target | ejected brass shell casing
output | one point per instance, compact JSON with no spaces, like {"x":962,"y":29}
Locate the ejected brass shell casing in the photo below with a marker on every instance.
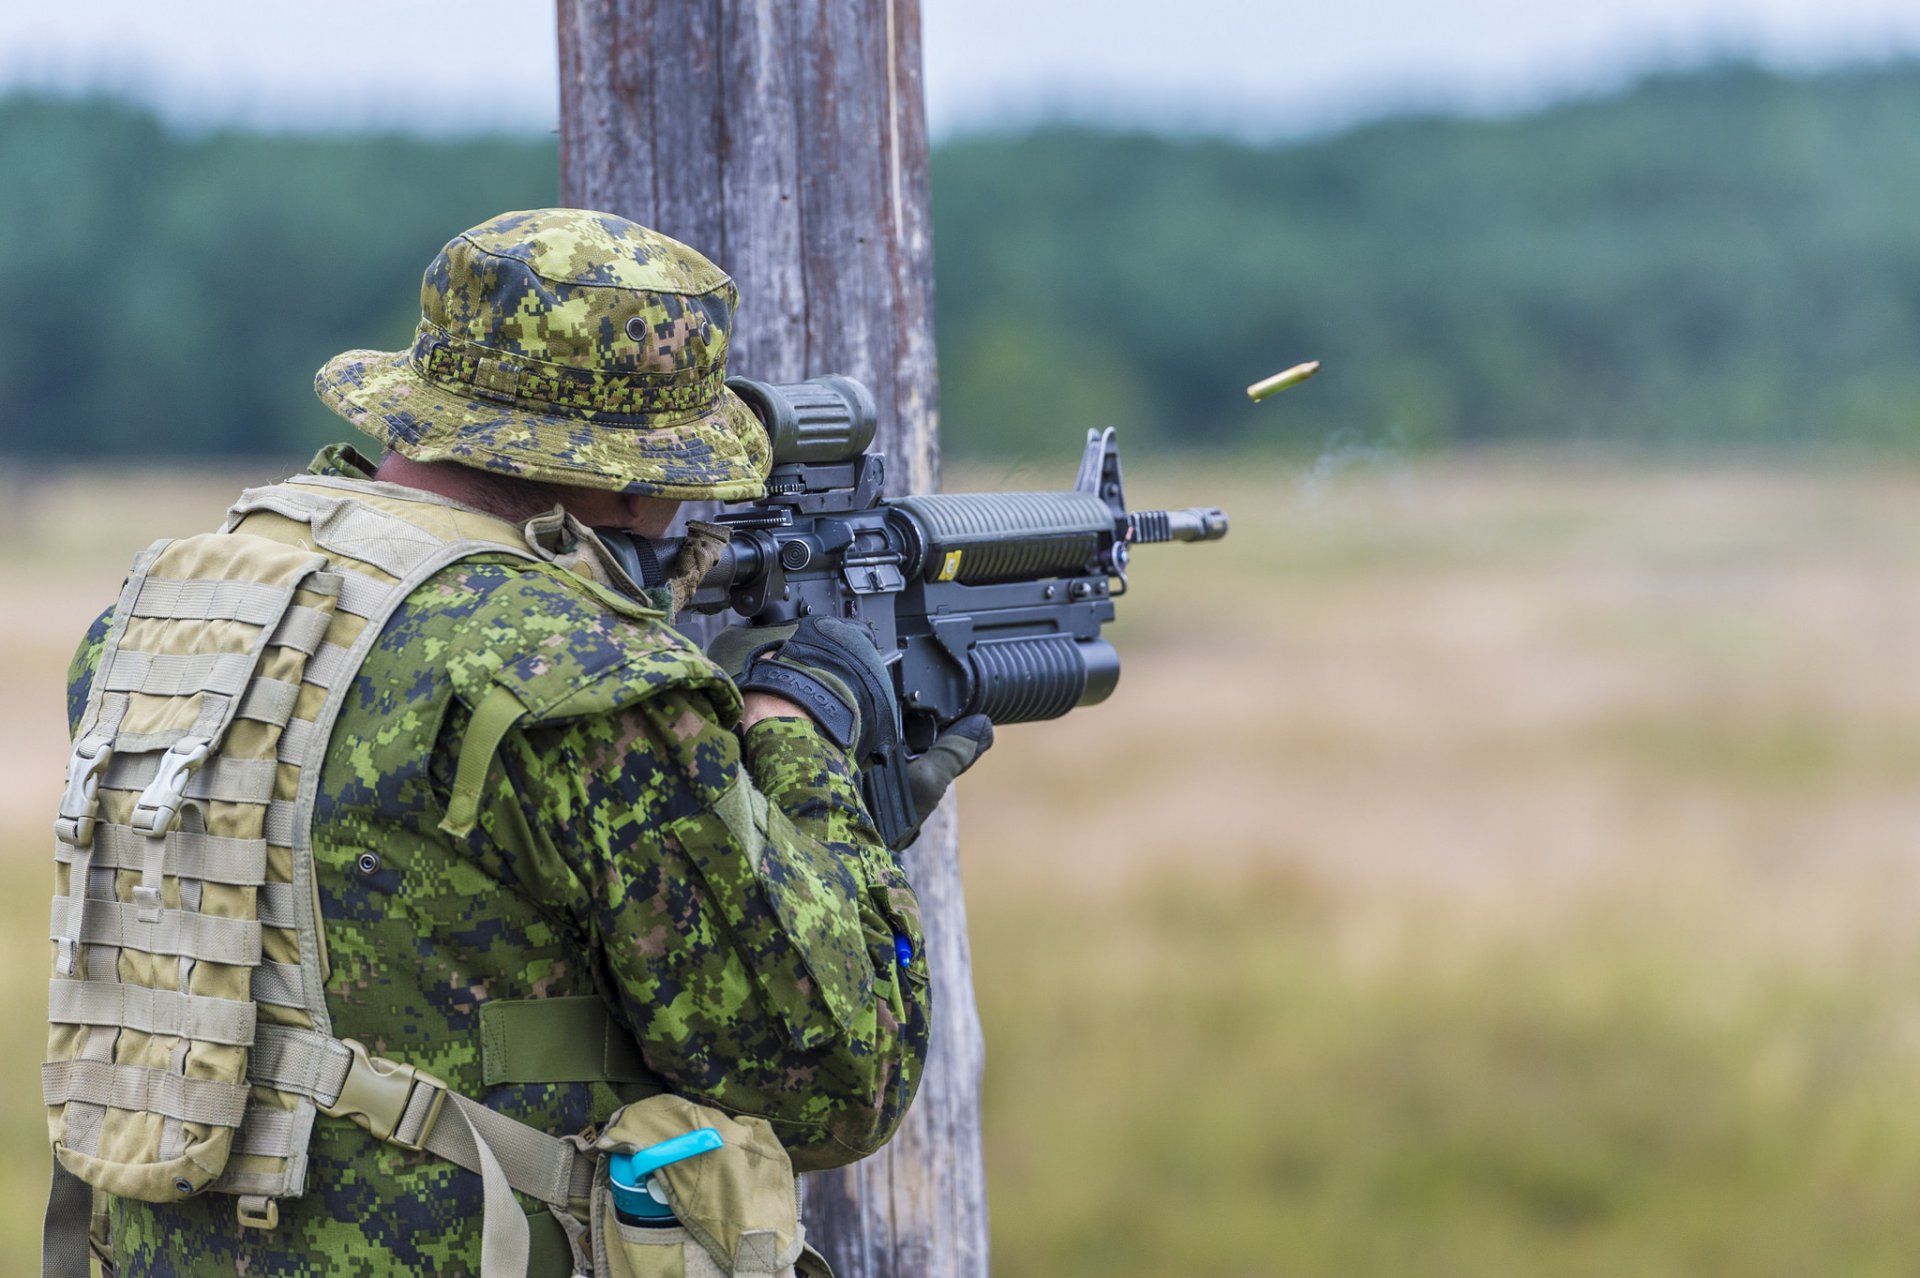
{"x":1281,"y":381}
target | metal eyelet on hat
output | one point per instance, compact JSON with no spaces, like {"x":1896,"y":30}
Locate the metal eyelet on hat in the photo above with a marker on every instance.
{"x":368,"y":863}
{"x":637,"y":328}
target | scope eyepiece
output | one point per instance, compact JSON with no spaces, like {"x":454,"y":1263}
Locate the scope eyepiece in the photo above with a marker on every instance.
{"x":823,"y":419}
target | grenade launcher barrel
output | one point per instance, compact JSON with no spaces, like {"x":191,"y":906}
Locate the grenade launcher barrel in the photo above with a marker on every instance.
{"x":982,"y":603}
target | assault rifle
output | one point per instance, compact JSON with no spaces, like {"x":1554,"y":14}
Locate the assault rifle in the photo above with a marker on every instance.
{"x":982,"y":603}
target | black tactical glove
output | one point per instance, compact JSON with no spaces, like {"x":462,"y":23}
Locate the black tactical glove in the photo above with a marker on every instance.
{"x":828,"y":667}
{"x":953,"y":752}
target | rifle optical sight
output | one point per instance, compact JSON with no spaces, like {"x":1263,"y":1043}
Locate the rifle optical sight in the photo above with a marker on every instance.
{"x":823,"y":419}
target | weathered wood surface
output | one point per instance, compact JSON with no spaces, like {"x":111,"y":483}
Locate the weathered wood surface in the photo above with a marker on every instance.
{"x":786,"y":139}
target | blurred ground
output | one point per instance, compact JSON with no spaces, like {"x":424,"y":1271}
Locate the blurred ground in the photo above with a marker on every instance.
{"x":1494,"y":867}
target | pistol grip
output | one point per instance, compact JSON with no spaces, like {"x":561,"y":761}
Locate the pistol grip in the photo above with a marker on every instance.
{"x":890,"y":800}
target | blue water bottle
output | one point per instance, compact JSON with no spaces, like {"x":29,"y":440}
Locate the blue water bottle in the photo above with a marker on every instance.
{"x":638,"y":1197}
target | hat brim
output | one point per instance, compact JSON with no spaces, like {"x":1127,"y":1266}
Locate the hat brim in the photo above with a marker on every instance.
{"x":720,"y":453}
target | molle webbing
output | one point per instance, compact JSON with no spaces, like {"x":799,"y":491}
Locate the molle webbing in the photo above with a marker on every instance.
{"x":185,"y":1055}
{"x":189,"y":855}
{"x":224,"y":667}
{"x":162,"y":860}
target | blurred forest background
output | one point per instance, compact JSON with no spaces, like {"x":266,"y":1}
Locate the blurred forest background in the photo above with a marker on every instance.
{"x":1727,"y":257}
{"x":1497,"y":859}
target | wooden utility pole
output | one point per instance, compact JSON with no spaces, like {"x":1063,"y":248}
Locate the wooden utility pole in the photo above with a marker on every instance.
{"x":787,"y":140}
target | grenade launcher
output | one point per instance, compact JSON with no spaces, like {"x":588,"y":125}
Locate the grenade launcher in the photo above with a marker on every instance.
{"x":981,"y":603}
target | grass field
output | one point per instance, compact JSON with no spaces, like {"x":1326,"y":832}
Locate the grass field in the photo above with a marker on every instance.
{"x":1494,"y":867}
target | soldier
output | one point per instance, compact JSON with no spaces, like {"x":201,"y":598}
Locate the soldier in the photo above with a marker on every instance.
{"x":405,"y":839}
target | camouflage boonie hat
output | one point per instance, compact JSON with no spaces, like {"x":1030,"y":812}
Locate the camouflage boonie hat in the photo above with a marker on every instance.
{"x":566,"y":347}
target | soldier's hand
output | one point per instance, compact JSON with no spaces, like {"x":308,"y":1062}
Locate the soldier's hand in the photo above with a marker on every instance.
{"x":953,"y":752}
{"x":827,"y":667}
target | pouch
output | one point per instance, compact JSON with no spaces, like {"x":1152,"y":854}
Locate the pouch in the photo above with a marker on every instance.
{"x":738,"y":1206}
{"x":171,"y":846}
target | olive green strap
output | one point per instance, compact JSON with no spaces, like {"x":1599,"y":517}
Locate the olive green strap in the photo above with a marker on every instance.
{"x":556,"y":1040}
{"x":497,"y":712}
{"x":504,"y":1238}
{"x":63,"y":1242}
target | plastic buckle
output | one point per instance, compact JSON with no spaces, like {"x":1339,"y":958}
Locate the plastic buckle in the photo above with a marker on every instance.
{"x":160,"y":802}
{"x":81,"y":800}
{"x":376,"y":1093}
{"x":257,"y":1212}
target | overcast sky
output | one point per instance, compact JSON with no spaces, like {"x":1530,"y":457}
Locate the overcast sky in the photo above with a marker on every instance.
{"x":1257,"y":66}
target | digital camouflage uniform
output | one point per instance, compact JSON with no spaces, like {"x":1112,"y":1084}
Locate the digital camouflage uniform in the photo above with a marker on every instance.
{"x":724,"y":896}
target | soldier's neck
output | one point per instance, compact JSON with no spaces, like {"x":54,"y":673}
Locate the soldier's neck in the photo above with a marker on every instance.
{"x":515,"y":502}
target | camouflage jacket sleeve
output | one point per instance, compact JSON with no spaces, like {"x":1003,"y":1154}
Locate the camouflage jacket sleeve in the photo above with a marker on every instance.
{"x":86,"y":660}
{"x":765,"y":945}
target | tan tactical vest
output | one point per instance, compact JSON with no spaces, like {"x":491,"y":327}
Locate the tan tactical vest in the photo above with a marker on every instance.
{"x":190,"y":1048}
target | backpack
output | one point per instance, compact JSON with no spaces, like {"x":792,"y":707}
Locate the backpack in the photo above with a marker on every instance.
{"x":190,"y":1050}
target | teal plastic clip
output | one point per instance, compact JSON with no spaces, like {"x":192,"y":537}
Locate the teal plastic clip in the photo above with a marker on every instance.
{"x":636,"y":1197}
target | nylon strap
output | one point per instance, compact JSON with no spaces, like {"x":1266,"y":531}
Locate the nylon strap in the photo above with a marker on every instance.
{"x":280,"y":985}
{"x":210,"y":599}
{"x":295,"y":737}
{"x":64,"y":1252}
{"x":361,"y":595}
{"x":177,"y":674}
{"x":188,"y":934}
{"x":538,"y":1165}
{"x":556,"y":1040}
{"x":326,"y":666}
{"x":268,"y":1131}
{"x":77,"y":827}
{"x":301,"y":1061}
{"x":277,"y":906}
{"x":66,"y":960}
{"x":504,"y":1239}
{"x":101,"y":702}
{"x":190,"y":855}
{"x":85,"y":1123}
{"x":302,"y":629}
{"x":151,"y":1011}
{"x":285,"y":1183}
{"x":279,"y":825}
{"x":223,"y":777}
{"x":192,"y":1100}
{"x":497,"y":712}
{"x":174,"y":771}
{"x":312,"y":1064}
{"x":268,"y":701}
